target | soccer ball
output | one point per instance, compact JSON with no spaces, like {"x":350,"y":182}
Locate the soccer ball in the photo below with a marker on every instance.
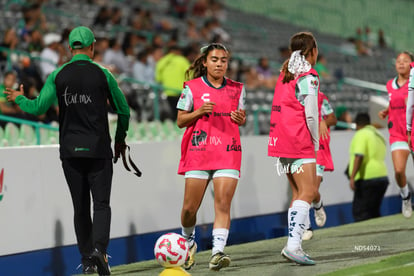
{"x":171,"y":250}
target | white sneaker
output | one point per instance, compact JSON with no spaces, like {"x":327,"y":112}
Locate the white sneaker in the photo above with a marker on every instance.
{"x":298,"y":256}
{"x":308,"y":234}
{"x":320,"y":216}
{"x":407,"y":208}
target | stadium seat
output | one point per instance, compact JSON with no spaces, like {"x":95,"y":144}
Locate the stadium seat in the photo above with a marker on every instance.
{"x":11,"y":134}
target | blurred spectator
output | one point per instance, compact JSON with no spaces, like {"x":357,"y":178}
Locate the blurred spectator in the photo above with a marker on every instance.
{"x":114,"y":56}
{"x":157,"y":41}
{"x":209,"y":9}
{"x":368,"y":176}
{"x":322,"y":69}
{"x":65,"y":44}
{"x":342,"y":114}
{"x":141,"y":70}
{"x":284,"y":53}
{"x":115,"y":16}
{"x":361,"y":43}
{"x":102,"y":17}
{"x":11,"y":109}
{"x":265,"y":75}
{"x":7,"y":108}
{"x":349,"y":47}
{"x":206,"y":31}
{"x":191,"y":51}
{"x":51,"y":54}
{"x":192,"y":33}
{"x":101,"y":44}
{"x":382,"y":43}
{"x":10,"y":41}
{"x":154,"y":55}
{"x":130,"y":46}
{"x":217,"y":11}
{"x":170,"y":73}
{"x":217,"y":30}
{"x":200,"y":8}
{"x":178,"y":8}
{"x":98,"y":58}
{"x":34,"y":19}
{"x":35,"y":42}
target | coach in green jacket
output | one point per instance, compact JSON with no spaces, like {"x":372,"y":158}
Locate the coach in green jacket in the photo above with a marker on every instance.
{"x":83,"y":89}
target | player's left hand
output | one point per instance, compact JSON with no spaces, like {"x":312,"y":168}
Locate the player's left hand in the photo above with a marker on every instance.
{"x":119,"y":149}
{"x":323,"y":130}
{"x":238,"y":116}
{"x":12,"y":94}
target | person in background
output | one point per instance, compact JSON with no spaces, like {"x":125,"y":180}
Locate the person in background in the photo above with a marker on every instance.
{"x":368,"y":176}
{"x":294,"y":136}
{"x":400,"y":151}
{"x":343,"y":116}
{"x":83,"y":90}
{"x":324,"y":160}
{"x":170,"y":73}
{"x":322,"y":69}
{"x":210,"y":106}
{"x":6,"y":108}
{"x":265,"y":75}
{"x":50,"y":57}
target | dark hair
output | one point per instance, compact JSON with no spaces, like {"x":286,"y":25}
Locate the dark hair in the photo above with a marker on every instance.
{"x":303,"y":41}
{"x":362,"y":119}
{"x":12,"y":72}
{"x":408,"y":53}
{"x":197,"y":68}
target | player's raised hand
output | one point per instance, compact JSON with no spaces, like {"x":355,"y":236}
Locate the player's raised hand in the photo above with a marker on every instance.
{"x":12,"y":94}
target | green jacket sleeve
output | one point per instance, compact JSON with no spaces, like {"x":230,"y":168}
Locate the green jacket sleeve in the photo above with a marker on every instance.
{"x":41,"y":104}
{"x":120,"y":106}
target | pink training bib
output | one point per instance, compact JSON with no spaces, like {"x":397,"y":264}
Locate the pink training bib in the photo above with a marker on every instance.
{"x":213,"y":141}
{"x":324,"y":156}
{"x":289,"y":135}
{"x":397,"y":125}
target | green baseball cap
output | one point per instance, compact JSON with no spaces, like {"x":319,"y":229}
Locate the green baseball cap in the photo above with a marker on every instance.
{"x":81,"y":37}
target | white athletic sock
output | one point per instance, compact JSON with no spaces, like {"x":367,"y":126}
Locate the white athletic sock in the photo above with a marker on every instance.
{"x":318,"y":205}
{"x":404,"y":191}
{"x":220,"y":236}
{"x":296,"y":223}
{"x":307,"y":223}
{"x":189,"y":234}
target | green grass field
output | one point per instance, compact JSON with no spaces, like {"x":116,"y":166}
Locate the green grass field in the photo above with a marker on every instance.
{"x":383,"y":246}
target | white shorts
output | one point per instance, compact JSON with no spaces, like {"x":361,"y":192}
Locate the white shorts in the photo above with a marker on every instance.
{"x":213,"y":174}
{"x":292,"y":165}
{"x":400,"y":145}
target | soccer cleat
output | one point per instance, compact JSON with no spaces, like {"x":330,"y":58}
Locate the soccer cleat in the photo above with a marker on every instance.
{"x":308,"y":234}
{"x":218,"y":261}
{"x":190,"y":262}
{"x":101,"y":261}
{"x":298,"y":256}
{"x":88,"y":266}
{"x":89,"y":269}
{"x":407,"y":208}
{"x":320,"y":216}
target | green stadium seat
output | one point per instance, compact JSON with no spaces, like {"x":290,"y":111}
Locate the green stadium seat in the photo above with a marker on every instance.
{"x":11,"y":134}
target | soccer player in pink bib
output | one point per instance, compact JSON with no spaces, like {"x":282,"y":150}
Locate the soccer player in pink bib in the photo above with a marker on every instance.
{"x":324,"y":160}
{"x":211,"y":107}
{"x":397,"y":126}
{"x":294,"y":137}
